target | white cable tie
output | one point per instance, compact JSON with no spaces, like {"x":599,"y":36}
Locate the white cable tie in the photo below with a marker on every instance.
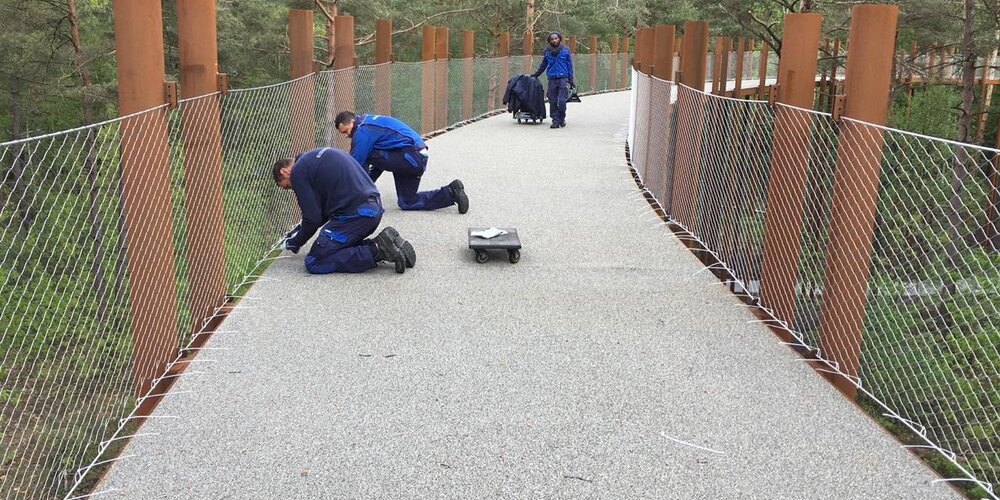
{"x":918,"y":428}
{"x":102,"y":462}
{"x":94,"y":494}
{"x":691,"y":444}
{"x":130,"y":436}
{"x":947,"y":453}
{"x":189,"y":349}
{"x":163,"y":395}
{"x":121,"y":422}
{"x":983,"y":484}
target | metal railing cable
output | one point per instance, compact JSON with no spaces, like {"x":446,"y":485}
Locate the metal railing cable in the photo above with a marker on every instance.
{"x":926,"y":354}
{"x":73,"y":369}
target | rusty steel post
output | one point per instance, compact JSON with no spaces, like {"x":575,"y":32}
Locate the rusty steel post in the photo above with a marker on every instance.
{"x":663,"y":51}
{"x":528,"y":47}
{"x":572,"y":45}
{"x":443,"y":54}
{"x":690,"y":123}
{"x":593,"y":64}
{"x":199,"y":71}
{"x":468,"y":47}
{"x":383,"y":66}
{"x":625,"y":74}
{"x":613,"y":77}
{"x":647,"y":49}
{"x":428,"y":79}
{"x":740,"y":52}
{"x":344,"y":69}
{"x":832,"y":92}
{"x":504,"y":53}
{"x":852,"y":218}
{"x":300,"y":39}
{"x":727,"y":46}
{"x":762,"y":68}
{"x":716,"y":59}
{"x":789,"y":165}
{"x":145,"y":161}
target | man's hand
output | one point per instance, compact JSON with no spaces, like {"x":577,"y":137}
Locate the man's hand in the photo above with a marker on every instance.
{"x":572,"y":84}
{"x":291,"y":235}
{"x":535,"y":75}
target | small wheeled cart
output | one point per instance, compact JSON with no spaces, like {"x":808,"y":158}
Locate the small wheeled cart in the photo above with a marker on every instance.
{"x":525,"y":117}
{"x":509,"y":242}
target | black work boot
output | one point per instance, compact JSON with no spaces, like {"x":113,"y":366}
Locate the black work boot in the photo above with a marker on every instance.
{"x":408,"y":252}
{"x":387,"y":251}
{"x":458,"y":191}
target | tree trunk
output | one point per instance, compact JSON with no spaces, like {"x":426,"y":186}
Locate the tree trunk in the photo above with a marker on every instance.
{"x":960,"y":167}
{"x":16,"y":177}
{"x":90,"y":162}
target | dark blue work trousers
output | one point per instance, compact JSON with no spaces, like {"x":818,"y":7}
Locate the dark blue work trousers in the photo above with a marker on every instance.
{"x":558,"y":94}
{"x":341,"y":246}
{"x":407,"y":166}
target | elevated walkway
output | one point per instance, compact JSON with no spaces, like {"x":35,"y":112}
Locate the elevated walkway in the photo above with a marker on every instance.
{"x":603,"y":365}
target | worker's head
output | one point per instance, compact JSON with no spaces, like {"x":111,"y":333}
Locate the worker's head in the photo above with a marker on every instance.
{"x":555,"y":38}
{"x":282,"y":172}
{"x":345,"y":122}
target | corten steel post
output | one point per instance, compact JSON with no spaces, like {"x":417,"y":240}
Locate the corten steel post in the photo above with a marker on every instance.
{"x":468,"y":46}
{"x":593,"y":64}
{"x":300,"y":39}
{"x":663,"y":68}
{"x":572,"y":45}
{"x":343,"y":66}
{"x":832,"y":91}
{"x":738,"y":88}
{"x":855,"y":187}
{"x":528,"y":46}
{"x":717,"y":64}
{"x":504,"y":53}
{"x":690,"y":123}
{"x":613,"y":77}
{"x":789,"y":164}
{"x":625,"y":74}
{"x":428,"y":78}
{"x":146,"y":178}
{"x":383,"y":66}
{"x":727,"y":46}
{"x":441,"y":97}
{"x":640,"y":35}
{"x":762,"y":68}
{"x":647,"y":49}
{"x":199,"y":64}
{"x":663,"y":51}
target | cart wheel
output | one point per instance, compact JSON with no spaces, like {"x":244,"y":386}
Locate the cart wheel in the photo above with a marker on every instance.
{"x":482,"y":256}
{"x":514,"y":256}
{"x":518,"y":120}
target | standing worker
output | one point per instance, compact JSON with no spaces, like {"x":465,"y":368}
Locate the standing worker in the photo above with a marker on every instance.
{"x":335,"y":194}
{"x":387,"y":144}
{"x":557,"y":63}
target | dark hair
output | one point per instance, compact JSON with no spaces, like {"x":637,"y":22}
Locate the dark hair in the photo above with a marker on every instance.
{"x":343,"y":117}
{"x":278,"y":165}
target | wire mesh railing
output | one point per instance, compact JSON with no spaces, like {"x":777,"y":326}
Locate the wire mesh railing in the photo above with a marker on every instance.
{"x":74,"y":259}
{"x":926,"y":354}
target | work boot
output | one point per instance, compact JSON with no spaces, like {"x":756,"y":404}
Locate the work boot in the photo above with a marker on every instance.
{"x":408,"y":253}
{"x":554,"y":125}
{"x":458,"y":191}
{"x":387,"y":251}
{"x":562,"y":124}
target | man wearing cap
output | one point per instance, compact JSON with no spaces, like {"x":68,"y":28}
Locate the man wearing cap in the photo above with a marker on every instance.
{"x":557,"y":63}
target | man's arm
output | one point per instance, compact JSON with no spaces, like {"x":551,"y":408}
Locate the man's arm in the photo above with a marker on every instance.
{"x":541,"y":67}
{"x":312,"y":217}
{"x":362,"y":145}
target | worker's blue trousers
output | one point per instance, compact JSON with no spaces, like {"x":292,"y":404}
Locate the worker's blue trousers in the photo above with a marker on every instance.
{"x":341,"y":246}
{"x":407,"y":166}
{"x":558,"y":94}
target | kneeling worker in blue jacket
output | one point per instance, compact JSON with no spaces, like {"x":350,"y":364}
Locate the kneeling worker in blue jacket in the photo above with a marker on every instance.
{"x":557,"y":63}
{"x":382,"y":143}
{"x":336,"y":195}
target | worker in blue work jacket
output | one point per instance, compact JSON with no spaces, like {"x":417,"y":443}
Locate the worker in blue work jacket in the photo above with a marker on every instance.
{"x":337,"y":197}
{"x":382,"y":143}
{"x":557,"y":63}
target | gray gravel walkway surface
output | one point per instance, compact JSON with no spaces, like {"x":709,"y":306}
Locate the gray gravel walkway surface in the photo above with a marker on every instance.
{"x":576,"y":373}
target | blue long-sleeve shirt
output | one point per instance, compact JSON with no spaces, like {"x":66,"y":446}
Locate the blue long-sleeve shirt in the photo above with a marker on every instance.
{"x":327,"y":182}
{"x":556,"y":64}
{"x":381,"y":133}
